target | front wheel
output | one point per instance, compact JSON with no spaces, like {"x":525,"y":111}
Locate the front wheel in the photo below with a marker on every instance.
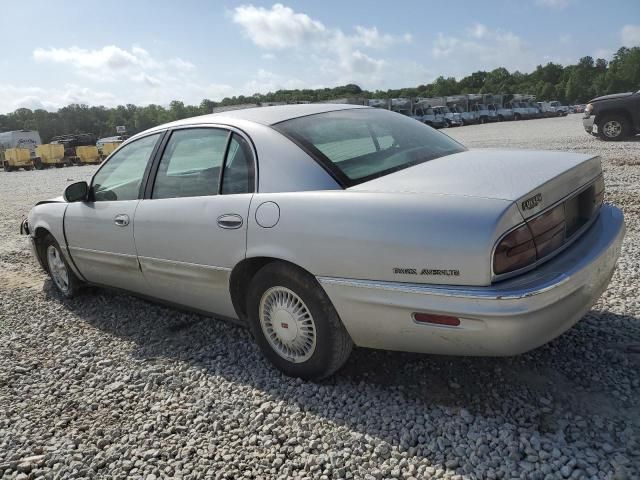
{"x":63,"y":278}
{"x":613,"y":127}
{"x":294,"y":323}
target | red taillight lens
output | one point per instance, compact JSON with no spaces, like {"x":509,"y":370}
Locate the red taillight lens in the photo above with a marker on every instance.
{"x":516,"y":250}
{"x":548,"y":230}
{"x":436,"y":319}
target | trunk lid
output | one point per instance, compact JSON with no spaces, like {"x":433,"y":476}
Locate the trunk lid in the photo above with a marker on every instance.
{"x":534,"y":180}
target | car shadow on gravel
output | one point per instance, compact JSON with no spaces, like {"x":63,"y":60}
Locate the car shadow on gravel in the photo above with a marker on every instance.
{"x":584,"y":373}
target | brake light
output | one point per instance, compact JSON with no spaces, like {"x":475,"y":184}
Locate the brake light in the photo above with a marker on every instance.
{"x":545,"y":233}
{"x":516,"y":250}
{"x":598,"y":197}
{"x":548,"y":230}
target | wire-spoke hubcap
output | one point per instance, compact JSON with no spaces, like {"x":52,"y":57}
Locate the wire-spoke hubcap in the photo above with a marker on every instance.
{"x":57,"y":268}
{"x":287,"y":324}
{"x":612,"y":128}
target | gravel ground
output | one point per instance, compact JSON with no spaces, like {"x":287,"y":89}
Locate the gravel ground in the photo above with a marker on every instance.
{"x":109,"y":386}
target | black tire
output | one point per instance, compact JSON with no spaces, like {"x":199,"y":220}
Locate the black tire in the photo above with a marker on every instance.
{"x":332,"y":342}
{"x":37,"y":163}
{"x":517,"y":116}
{"x":73,"y":284}
{"x":613,"y":128}
{"x":28,"y":168}
{"x":500,"y":118}
{"x":6,"y":166}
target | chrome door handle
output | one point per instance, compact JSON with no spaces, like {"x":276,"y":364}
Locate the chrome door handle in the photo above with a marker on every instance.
{"x":230,"y":221}
{"x":121,"y":220}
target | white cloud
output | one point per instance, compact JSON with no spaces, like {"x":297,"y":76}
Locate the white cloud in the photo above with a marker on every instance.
{"x":110,"y":63}
{"x":342,"y":57}
{"x":181,"y":65}
{"x":278,"y":27}
{"x":372,"y":38}
{"x":265,"y":81}
{"x":605,"y":53}
{"x":630,"y":35}
{"x":482,"y":48}
{"x":558,"y":4}
{"x":108,"y":58}
{"x":13,"y":97}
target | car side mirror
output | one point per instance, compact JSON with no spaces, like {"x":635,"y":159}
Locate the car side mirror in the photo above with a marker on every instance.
{"x":76,"y":192}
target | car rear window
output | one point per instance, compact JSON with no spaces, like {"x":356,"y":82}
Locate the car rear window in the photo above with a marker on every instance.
{"x":357,"y":145}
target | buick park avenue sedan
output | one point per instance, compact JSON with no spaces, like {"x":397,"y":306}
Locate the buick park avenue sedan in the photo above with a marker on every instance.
{"x":322,"y":227}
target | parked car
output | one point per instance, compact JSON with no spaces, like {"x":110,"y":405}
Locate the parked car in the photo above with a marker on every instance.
{"x":613,"y":117}
{"x":560,"y":110}
{"x":326,"y":226}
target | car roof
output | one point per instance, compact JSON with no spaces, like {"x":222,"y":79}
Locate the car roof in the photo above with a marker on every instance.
{"x":263,"y":115}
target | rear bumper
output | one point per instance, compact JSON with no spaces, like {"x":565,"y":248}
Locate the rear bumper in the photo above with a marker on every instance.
{"x":507,"y":318}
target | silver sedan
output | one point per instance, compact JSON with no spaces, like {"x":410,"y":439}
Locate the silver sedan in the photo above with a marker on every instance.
{"x":321,"y":227}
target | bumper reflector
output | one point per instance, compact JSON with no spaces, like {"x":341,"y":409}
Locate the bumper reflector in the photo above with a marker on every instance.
{"x":436,"y":319}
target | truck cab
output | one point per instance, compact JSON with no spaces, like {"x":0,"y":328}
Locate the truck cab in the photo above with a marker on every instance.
{"x":501,"y":112}
{"x":452,"y":119}
{"x":428,"y":116}
{"x":484,"y":114}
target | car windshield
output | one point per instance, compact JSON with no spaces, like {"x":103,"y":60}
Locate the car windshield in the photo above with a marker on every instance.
{"x":357,"y":145}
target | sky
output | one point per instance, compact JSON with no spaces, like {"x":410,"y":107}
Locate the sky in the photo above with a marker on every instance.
{"x":117,"y":52}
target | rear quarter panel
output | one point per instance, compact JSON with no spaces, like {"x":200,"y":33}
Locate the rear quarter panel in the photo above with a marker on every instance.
{"x":384,"y":236}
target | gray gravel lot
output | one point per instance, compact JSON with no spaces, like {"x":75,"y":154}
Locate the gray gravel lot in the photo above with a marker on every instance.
{"x":109,"y":386}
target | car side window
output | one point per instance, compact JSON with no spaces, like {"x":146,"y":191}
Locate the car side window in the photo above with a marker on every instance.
{"x":120,"y":178}
{"x":238,"y":175}
{"x":191,"y":163}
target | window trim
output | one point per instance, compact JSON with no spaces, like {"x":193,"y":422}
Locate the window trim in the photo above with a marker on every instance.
{"x":153,"y":172}
{"x":147,"y":169}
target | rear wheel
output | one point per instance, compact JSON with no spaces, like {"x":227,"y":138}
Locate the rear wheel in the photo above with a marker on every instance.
{"x":517,"y":116}
{"x":294,"y":323}
{"x":6,"y":166}
{"x":61,"y":275}
{"x":37,"y":163}
{"x":613,"y":127}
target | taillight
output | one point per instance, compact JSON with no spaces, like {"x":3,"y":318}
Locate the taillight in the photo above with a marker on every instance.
{"x":548,"y":230}
{"x":598,"y":197}
{"x":516,"y":250}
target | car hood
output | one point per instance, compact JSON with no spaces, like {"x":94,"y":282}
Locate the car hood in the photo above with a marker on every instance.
{"x":610,"y":97}
{"x":512,"y":175}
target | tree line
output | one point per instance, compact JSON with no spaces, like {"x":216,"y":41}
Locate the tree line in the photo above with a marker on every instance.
{"x":570,"y":84}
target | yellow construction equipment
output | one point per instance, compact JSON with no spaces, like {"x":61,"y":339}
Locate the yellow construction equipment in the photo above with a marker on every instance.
{"x":108,"y":148}
{"x":50,"y":155}
{"x":88,"y":154}
{"x":15,"y":158}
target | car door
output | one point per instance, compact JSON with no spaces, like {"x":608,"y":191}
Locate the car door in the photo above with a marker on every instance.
{"x":190,"y":229}
{"x":99,"y":232}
